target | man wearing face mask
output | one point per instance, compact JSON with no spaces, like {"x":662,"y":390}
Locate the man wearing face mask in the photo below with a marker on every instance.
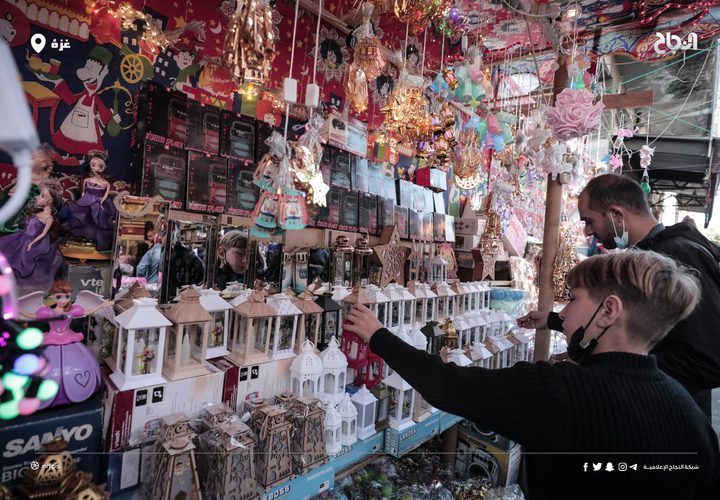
{"x":613,"y":406}
{"x":616,"y":211}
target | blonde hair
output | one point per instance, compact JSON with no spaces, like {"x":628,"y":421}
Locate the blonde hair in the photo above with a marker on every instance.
{"x":656,"y":291}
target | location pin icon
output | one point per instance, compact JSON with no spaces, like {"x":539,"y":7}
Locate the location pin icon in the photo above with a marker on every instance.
{"x":38,"y":42}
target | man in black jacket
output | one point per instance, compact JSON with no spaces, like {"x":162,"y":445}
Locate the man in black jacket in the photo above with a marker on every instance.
{"x":615,"y":210}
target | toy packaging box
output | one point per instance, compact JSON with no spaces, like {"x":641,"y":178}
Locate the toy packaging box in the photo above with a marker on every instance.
{"x":164,"y":172}
{"x":386,"y":213}
{"x":402,"y":221}
{"x":450,"y":228}
{"x":360,"y":179}
{"x":203,"y":127}
{"x":237,"y":136}
{"x":348,"y":210}
{"x":438,"y":227}
{"x":21,"y":439}
{"x":415,"y":226}
{"x":328,"y":217}
{"x":368,"y":211}
{"x":427,"y":226}
{"x":341,"y":170}
{"x":264,"y":130}
{"x":159,"y":113}
{"x":478,"y":459}
{"x":404,"y":193}
{"x":242,"y":193}
{"x":207,"y":183}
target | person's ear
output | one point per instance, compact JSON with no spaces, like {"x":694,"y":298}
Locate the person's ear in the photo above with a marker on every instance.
{"x":617,"y":212}
{"x":610,"y":312}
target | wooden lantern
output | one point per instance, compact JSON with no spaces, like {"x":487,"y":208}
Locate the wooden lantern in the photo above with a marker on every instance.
{"x":366,"y":405}
{"x":348,"y":426}
{"x":214,"y":415}
{"x":434,"y":335}
{"x":220,"y":310}
{"x":139,"y":349}
{"x":402,"y":402}
{"x":125,"y":301}
{"x":174,"y":467}
{"x":252,"y":407}
{"x":56,"y":465}
{"x":480,"y":355}
{"x":230,"y":461}
{"x":464,"y":327}
{"x":187,"y":339}
{"x":310,"y":320}
{"x":282,"y":340}
{"x":306,"y":371}
{"x":334,"y":371}
{"x":382,"y":416}
{"x":274,"y":462}
{"x":308,"y":441}
{"x":251,"y":333}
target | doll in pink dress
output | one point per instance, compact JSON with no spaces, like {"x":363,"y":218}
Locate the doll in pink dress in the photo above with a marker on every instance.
{"x":72,"y":365}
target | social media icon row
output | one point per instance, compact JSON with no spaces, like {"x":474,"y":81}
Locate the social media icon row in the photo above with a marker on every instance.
{"x":608,"y":466}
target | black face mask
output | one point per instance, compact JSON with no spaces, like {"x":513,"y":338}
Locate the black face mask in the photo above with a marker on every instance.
{"x":578,"y":349}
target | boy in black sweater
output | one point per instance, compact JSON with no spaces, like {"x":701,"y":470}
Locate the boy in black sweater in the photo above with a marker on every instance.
{"x":613,"y":407}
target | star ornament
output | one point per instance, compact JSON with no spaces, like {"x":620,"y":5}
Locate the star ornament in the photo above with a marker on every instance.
{"x":319,"y":189}
{"x":391,"y":255}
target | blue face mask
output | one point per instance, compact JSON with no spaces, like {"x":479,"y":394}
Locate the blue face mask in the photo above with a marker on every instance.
{"x":621,"y":242}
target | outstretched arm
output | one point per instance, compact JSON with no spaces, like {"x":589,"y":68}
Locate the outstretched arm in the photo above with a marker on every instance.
{"x":42,"y":234}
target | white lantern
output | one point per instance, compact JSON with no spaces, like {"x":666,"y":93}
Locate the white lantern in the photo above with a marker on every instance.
{"x":305,"y":371}
{"x":348,"y":427}
{"x":480,"y":356}
{"x":459,"y":299}
{"x":402,"y":402}
{"x":365,"y":403}
{"x":523,"y":350}
{"x":422,"y":408}
{"x":464,"y":327}
{"x":402,"y":306}
{"x":251,"y":332}
{"x":444,"y":303}
{"x":438,"y":269}
{"x":333,"y":421}
{"x":459,"y":357}
{"x":469,"y":300}
{"x":187,"y":339}
{"x":484,"y":296}
{"x":139,"y":349}
{"x":220,"y":311}
{"x":285,"y":326}
{"x":334,"y":371}
{"x":378,"y":303}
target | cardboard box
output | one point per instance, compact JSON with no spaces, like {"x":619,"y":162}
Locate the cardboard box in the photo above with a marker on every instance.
{"x":207,"y":183}
{"x":132,"y":417}
{"x":464,"y":259}
{"x":470,"y":226}
{"x":159,"y":114}
{"x":360,"y":179}
{"x":81,"y":425}
{"x":237,"y":136}
{"x":432,"y":178}
{"x":438,"y":227}
{"x":164,"y":172}
{"x":303,"y":486}
{"x":203,"y":127}
{"x":480,"y":460}
{"x":415,"y":225}
{"x":349,"y":205}
{"x":125,"y":468}
{"x":466,"y":242}
{"x":439,"y":203}
{"x":386,"y":213}
{"x":367,"y":212}
{"x":341,"y":169}
{"x":402,"y":221}
{"x":266,"y":380}
{"x":357,"y":137}
{"x":404,"y":193}
{"x":326,"y":163}
{"x":489,"y":437}
{"x":242,"y":193}
{"x":328,"y":217}
{"x":397,"y":443}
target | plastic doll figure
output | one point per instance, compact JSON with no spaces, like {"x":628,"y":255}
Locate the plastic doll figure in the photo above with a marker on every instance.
{"x":33,"y":252}
{"x":72,"y":365}
{"x":93,"y":214}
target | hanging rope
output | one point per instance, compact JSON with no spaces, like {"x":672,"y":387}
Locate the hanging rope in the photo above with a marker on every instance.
{"x":317,"y":40}
{"x":292,"y":61}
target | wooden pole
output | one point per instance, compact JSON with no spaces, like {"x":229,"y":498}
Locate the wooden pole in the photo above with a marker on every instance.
{"x":551,"y":237}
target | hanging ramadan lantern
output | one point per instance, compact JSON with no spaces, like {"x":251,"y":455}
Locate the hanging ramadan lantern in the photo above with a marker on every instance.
{"x":306,"y":164}
{"x":406,"y":110}
{"x":368,"y":51}
{"x":280,"y":204}
{"x":646,"y":154}
{"x":467,"y":160}
{"x":574,"y":114}
{"x":250,"y":43}
{"x":490,"y":243}
{"x":356,"y":87}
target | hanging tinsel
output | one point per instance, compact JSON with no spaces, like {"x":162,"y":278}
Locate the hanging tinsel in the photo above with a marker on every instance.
{"x":250,"y":43}
{"x":566,"y":259}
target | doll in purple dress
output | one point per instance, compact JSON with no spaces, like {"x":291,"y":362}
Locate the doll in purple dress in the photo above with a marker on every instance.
{"x":71,"y":364}
{"x":33,"y":252}
{"x":93,"y":214}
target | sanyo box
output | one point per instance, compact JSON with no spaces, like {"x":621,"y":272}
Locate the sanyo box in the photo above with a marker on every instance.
{"x":132,"y":417}
{"x":21,"y":439}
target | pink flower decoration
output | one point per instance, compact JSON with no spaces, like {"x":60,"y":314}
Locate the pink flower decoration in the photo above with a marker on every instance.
{"x":615,"y":162}
{"x":574,"y":114}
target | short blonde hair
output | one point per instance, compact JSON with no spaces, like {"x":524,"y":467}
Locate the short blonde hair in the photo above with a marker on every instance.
{"x":657,"y":291}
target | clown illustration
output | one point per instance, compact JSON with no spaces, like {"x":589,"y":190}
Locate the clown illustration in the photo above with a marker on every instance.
{"x":80,"y":132}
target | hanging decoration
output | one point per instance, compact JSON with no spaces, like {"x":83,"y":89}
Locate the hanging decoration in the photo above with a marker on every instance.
{"x":467,"y":160}
{"x":306,"y":163}
{"x":574,"y":114}
{"x":566,"y":259}
{"x":156,"y":39}
{"x":334,"y":55}
{"x":490,"y":242}
{"x":280,"y":206}
{"x":406,"y":112}
{"x":368,"y":63}
{"x":474,"y":79}
{"x":550,"y":159}
{"x":249,"y":47}
{"x":646,"y":154}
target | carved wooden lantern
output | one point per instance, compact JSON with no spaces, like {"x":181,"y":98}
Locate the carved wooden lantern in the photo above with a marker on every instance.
{"x":306,"y":372}
{"x":215,"y":415}
{"x":230,"y":462}
{"x":282,"y":341}
{"x":366,"y":405}
{"x":137,"y":358}
{"x":175,"y":470}
{"x":252,"y":407}
{"x":187,"y":338}
{"x":125,"y":301}
{"x":274,"y":462}
{"x":56,"y":465}
{"x":220,"y":310}
{"x":330,"y":324}
{"x":308,"y":442}
{"x":251,"y":334}
{"x":310,"y":320}
{"x":332,"y":422}
{"x":348,"y":427}
{"x":334,"y":372}
{"x":382,"y":417}
{"x":402,"y":402}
